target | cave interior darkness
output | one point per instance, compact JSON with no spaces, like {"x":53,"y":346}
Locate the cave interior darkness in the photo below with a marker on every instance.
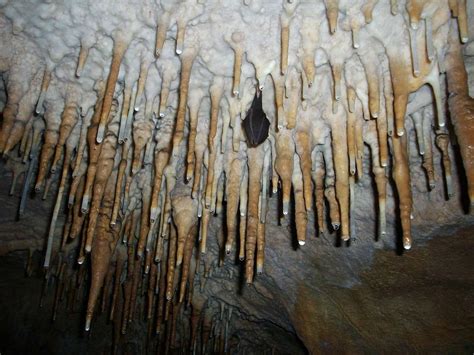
{"x":237,"y":176}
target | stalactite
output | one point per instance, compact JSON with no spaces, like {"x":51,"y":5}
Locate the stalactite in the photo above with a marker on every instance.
{"x":142,"y":77}
{"x":303,"y":148}
{"x":234,"y":178}
{"x":428,"y":150}
{"x":38,"y":129}
{"x":94,"y":150}
{"x":86,"y":121}
{"x":161,"y":159}
{"x":279,"y":86}
{"x":301,"y":218}
{"x":161,"y":30}
{"x":255,"y":165}
{"x":285,"y":149}
{"x":78,"y":217}
{"x":105,"y":165}
{"x":293,"y":92}
{"x":145,"y":184}
{"x":103,"y":245}
{"x":68,"y":121}
{"x":329,"y":189}
{"x":237,"y":39}
{"x":187,"y":255}
{"x":118,"y":186}
{"x":185,"y":219}
{"x":194,"y":105}
{"x":23,"y":116}
{"x":318,"y":180}
{"x":380,"y":179}
{"x":142,"y":132}
{"x":44,"y":90}
{"x":81,"y":61}
{"x":351,"y":144}
{"x":401,"y":175}
{"x":186,"y":66}
{"x":49,"y":143}
{"x":442,"y":141}
{"x":394,"y":7}
{"x":64,"y":174}
{"x":339,"y":147}
{"x":120,"y":46}
{"x":243,"y":213}
{"x":461,"y":107}
{"x":332,"y":11}
{"x":130,"y":200}
{"x":285,"y":35}
{"x":216,"y":91}
{"x":463,"y":21}
{"x":170,"y":273}
{"x":26,"y":141}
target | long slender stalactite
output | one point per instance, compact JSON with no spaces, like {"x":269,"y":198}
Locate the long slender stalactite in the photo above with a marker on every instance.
{"x":137,"y":127}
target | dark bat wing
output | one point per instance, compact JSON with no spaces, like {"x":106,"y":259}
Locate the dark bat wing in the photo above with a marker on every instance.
{"x":256,"y":124}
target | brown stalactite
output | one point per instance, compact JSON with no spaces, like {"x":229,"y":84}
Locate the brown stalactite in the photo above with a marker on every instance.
{"x":105,"y":165}
{"x":341,"y":169}
{"x":401,"y":175}
{"x":461,"y":107}
{"x":104,"y":245}
{"x":285,"y":149}
{"x":186,"y":66}
{"x":145,"y":231}
{"x":120,"y":46}
{"x":255,"y":165}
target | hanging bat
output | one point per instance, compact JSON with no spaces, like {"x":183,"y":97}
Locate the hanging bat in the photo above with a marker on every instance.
{"x":256,"y":124}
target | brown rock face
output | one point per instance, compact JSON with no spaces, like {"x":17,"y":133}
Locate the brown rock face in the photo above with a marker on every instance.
{"x":342,"y":227}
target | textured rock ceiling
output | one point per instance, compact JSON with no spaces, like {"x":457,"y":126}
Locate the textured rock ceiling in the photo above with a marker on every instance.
{"x":129,"y":116}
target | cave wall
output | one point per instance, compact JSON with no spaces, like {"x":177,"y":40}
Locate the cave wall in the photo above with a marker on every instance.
{"x":328,"y":283}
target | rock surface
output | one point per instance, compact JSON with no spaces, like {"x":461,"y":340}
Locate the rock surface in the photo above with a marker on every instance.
{"x":140,"y":105}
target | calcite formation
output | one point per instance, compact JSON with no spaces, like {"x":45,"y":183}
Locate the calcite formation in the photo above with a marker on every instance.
{"x":134,"y":111}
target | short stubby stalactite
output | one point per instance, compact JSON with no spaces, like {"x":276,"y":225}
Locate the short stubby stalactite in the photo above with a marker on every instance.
{"x":147,"y":120}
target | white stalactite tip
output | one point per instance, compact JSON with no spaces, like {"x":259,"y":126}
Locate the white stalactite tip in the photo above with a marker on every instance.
{"x":400,"y":133}
{"x":179,"y":51}
{"x":88,"y":325}
{"x":85,"y":204}
{"x":100,"y":134}
{"x":301,"y":242}
{"x":406,"y":245}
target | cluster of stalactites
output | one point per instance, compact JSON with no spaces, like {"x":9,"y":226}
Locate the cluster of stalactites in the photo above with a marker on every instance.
{"x":136,"y":208}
